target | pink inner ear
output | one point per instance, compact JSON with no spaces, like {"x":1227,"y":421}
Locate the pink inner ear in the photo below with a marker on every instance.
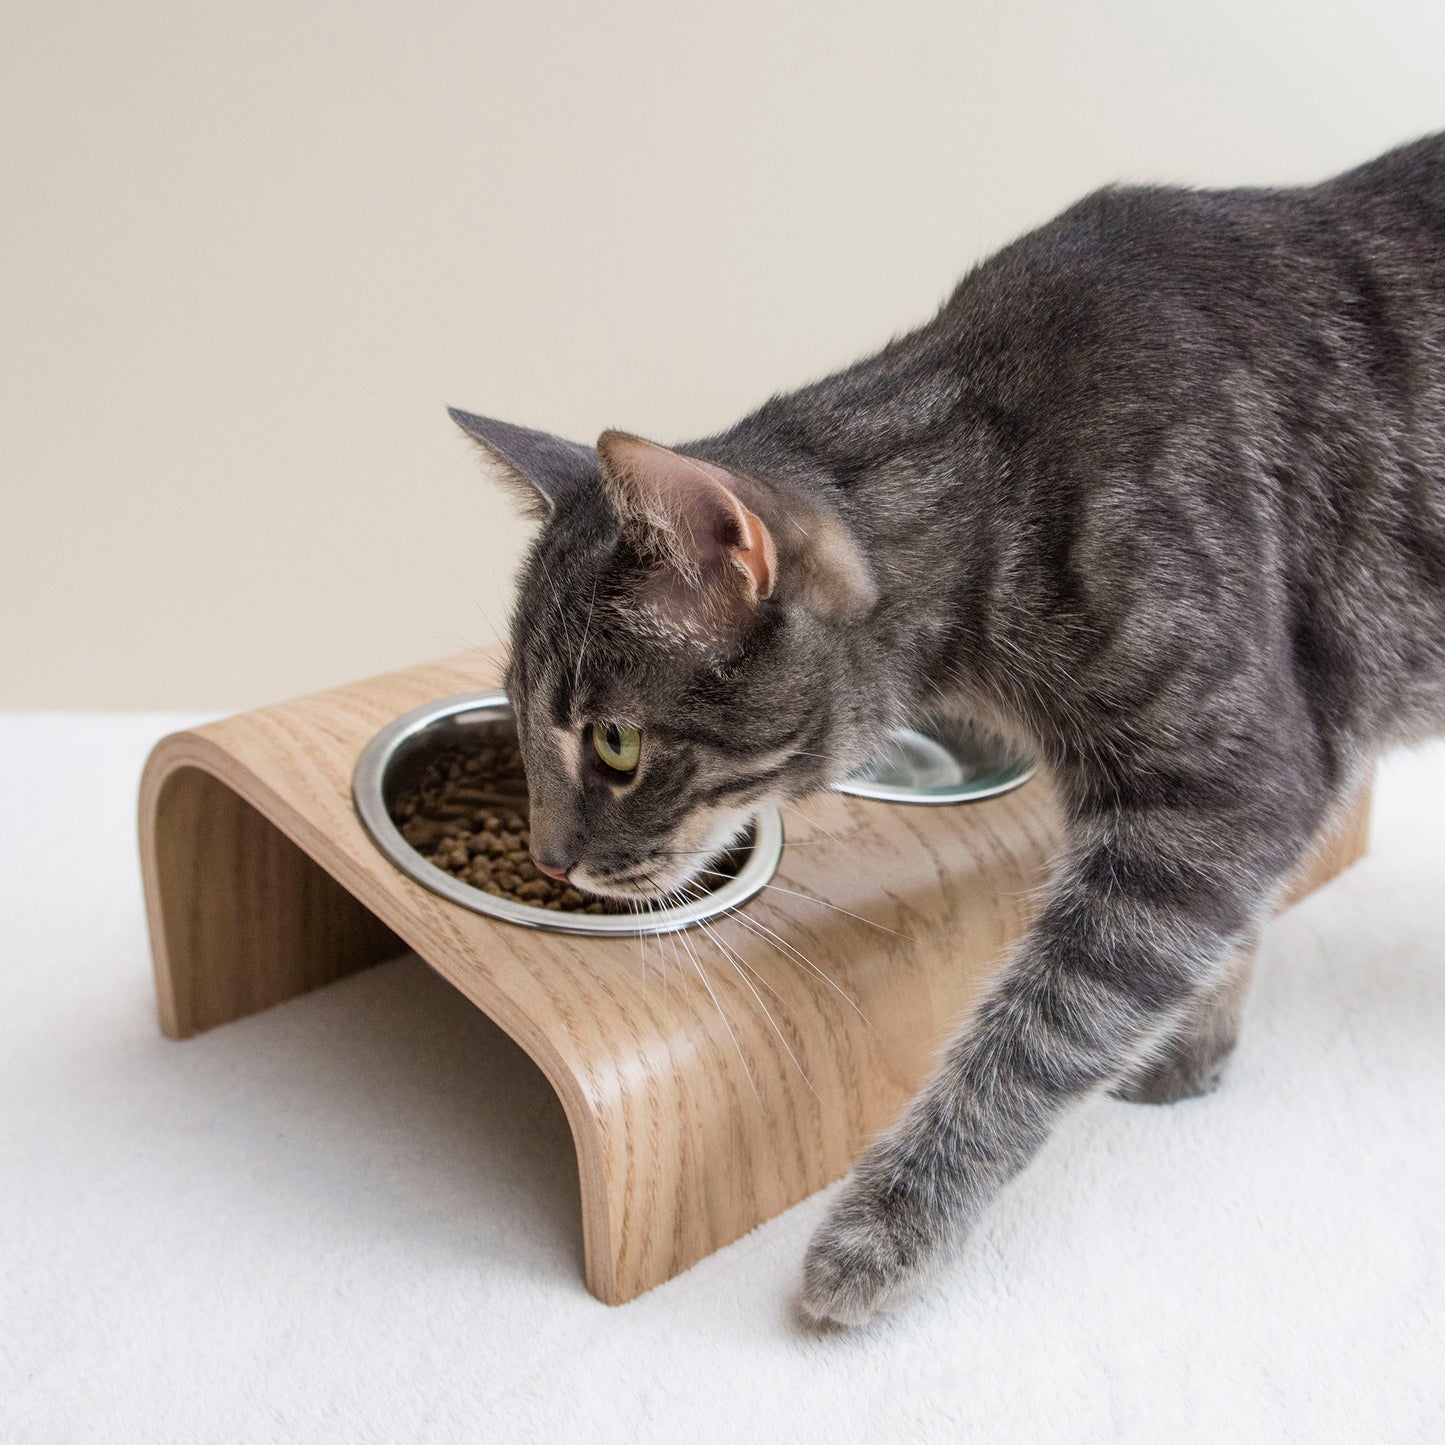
{"x":696,"y":502}
{"x":757,"y":557}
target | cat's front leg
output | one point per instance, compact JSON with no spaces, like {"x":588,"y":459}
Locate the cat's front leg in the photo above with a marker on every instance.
{"x":1137,"y":931}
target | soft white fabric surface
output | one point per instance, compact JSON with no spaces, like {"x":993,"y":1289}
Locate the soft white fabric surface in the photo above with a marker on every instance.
{"x":355,"y":1218}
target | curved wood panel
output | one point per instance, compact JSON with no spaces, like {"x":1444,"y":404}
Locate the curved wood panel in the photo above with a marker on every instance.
{"x":255,"y":920}
{"x":711,"y":1079}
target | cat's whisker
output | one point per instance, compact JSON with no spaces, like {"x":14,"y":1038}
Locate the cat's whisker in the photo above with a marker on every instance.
{"x":711,"y":927}
{"x":452,"y":636}
{"x":556,"y":597}
{"x":813,"y":822}
{"x":702,"y":974}
{"x":689,"y":889}
{"x":786,"y":948}
{"x":641,"y":940}
{"x":822,"y":903}
{"x":486,"y":616}
{"x":778,"y":943}
{"x":582,"y":651}
{"x":740,"y":967}
{"x":718,"y":852}
{"x":677,"y":962}
{"x":693,"y":892}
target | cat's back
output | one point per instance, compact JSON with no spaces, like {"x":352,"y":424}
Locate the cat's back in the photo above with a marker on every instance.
{"x":1145,"y":307}
{"x":1269,"y":364}
{"x":1400,"y":196}
{"x":1156,"y":262}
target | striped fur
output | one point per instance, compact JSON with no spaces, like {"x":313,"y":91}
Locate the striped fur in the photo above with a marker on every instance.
{"x":1161,"y":491}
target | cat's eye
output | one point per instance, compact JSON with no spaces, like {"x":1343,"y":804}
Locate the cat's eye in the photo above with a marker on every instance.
{"x":618,"y":747}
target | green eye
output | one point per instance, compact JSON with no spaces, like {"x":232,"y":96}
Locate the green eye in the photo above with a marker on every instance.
{"x":618,"y":747}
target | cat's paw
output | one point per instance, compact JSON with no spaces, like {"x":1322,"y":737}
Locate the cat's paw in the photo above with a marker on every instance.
{"x":866,"y":1257}
{"x":1177,"y":1075}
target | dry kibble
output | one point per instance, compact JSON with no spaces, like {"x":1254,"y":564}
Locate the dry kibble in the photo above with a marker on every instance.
{"x":421,"y":833}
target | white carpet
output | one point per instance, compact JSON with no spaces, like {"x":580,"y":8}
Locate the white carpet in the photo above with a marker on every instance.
{"x":355,"y":1219}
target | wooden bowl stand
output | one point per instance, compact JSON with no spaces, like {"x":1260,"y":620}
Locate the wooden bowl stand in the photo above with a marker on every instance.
{"x":695,"y":1115}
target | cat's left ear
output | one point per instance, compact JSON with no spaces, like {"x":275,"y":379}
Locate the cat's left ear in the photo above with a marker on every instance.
{"x":539,"y":468}
{"x":697,"y":511}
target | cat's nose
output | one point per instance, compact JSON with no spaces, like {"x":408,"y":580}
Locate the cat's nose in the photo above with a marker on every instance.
{"x":554,"y":841}
{"x":551,"y":868}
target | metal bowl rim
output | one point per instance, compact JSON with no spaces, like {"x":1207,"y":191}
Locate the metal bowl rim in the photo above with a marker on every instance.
{"x":367,"y":782}
{"x":1008,"y":775}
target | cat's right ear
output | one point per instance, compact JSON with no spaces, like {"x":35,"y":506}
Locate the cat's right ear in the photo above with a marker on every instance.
{"x":536,"y":467}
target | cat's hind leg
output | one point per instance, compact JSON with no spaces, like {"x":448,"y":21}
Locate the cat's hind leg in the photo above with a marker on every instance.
{"x":1191,"y":1060}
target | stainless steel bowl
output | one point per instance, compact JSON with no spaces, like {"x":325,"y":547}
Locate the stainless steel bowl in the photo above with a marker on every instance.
{"x":939,"y":762}
{"x":393,"y":758}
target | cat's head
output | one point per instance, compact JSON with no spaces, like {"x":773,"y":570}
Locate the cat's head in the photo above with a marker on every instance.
{"x":678,"y":656}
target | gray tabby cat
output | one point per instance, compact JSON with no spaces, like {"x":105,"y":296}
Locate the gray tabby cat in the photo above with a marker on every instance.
{"x":1160,"y":493}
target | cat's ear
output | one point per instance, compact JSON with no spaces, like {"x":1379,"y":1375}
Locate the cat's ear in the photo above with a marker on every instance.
{"x":693,"y":511}
{"x":538,"y":468}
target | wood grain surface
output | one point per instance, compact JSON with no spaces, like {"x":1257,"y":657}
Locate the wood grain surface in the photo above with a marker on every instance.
{"x":711,"y":1079}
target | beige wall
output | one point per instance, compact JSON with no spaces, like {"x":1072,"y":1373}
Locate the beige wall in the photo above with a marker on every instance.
{"x":248,"y":251}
